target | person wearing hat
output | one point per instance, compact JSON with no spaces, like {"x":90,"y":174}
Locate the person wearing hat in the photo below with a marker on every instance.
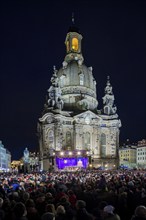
{"x":109,"y":213}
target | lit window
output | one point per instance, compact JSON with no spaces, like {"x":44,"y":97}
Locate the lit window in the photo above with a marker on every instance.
{"x":75,"y":44}
{"x":62,"y":78}
{"x":51,"y":136}
{"x":81,"y":79}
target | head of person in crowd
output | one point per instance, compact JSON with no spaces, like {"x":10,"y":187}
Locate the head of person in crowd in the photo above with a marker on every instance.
{"x":49,"y":198}
{"x":140,"y":213}
{"x":64,"y":201}
{"x":80,"y":204}
{"x":50,"y":212}
{"x":109,"y":213}
{"x":60,"y":210}
{"x":26,"y":196}
{"x":29,"y":203}
{"x":50,"y":208}
{"x":20,"y":210}
{"x":109,"y":209}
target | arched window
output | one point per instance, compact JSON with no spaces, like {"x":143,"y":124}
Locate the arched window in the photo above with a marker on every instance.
{"x":75,"y":44}
{"x":62,"y":78}
{"x":103,"y":145}
{"x":50,"y":136}
{"x":81,"y":79}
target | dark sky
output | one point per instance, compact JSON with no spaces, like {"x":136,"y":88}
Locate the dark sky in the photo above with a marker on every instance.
{"x":32,"y":39}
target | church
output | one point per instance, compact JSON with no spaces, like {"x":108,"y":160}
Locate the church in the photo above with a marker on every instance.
{"x":73,"y":133}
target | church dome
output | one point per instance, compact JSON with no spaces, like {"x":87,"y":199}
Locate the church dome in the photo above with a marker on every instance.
{"x":75,"y":75}
{"x":78,"y":86}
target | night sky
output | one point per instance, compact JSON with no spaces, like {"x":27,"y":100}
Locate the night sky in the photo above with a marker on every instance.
{"x":32,"y":39}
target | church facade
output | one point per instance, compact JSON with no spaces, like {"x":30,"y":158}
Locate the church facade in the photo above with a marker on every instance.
{"x":72,"y":132}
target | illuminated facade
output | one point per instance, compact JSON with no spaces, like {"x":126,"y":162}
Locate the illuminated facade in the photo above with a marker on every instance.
{"x":141,"y":154}
{"x":5,"y":158}
{"x":72,"y":131}
{"x":127,"y":156}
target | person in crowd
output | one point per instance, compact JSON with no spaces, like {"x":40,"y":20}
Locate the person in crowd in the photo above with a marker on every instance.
{"x":50,"y":212}
{"x":82,"y":212}
{"x":32,"y":212}
{"x":2,"y":213}
{"x":116,"y":187}
{"x":20,"y":211}
{"x":140,"y":213}
{"x":60,"y":213}
{"x":109,"y":213}
{"x":98,"y":212}
{"x":72,"y":198}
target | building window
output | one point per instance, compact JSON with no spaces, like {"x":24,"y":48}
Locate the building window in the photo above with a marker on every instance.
{"x":75,"y":44}
{"x":87,"y":140}
{"x":62,"y":78}
{"x":103,"y":139}
{"x":68,"y":140}
{"x":81,"y":79}
{"x":51,"y":136}
{"x":103,"y":145}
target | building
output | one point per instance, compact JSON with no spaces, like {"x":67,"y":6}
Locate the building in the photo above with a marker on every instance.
{"x":72,"y":132}
{"x":127,"y":156}
{"x":141,"y":154}
{"x":34,"y":161}
{"x":16,"y":164}
{"x":5,"y":158}
{"x":30,"y":161}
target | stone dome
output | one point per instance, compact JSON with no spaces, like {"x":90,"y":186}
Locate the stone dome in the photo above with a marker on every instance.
{"x":78,"y":86}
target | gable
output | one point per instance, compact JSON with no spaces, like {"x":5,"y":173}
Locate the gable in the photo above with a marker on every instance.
{"x":87,"y":116}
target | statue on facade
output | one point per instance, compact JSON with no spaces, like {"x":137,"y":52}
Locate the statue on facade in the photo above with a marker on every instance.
{"x":108,"y":99}
{"x":26,"y":155}
{"x":54,"y":91}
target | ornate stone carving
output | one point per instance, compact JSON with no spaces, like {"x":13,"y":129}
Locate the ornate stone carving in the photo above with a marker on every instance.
{"x":54,"y":91}
{"x":108,"y":100}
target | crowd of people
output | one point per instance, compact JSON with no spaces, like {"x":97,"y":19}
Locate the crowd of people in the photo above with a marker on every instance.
{"x":85,"y":194}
